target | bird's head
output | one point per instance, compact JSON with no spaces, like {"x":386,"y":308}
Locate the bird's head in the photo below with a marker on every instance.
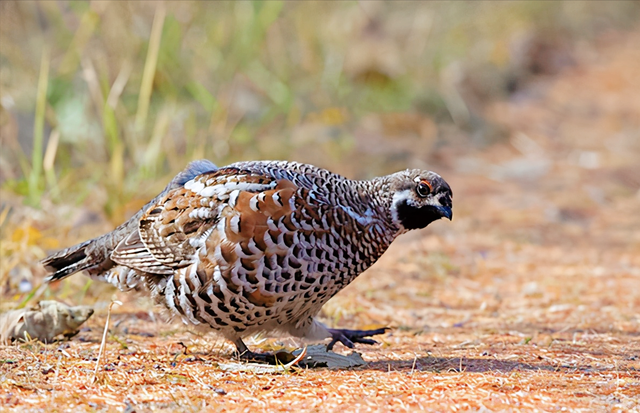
{"x":419,"y":198}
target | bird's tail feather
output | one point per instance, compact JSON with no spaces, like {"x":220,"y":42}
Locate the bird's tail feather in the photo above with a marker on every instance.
{"x":68,"y":261}
{"x":94,"y":254}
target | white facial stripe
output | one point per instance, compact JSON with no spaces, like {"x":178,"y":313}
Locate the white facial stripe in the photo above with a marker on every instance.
{"x":435,"y":200}
{"x":398,"y":197}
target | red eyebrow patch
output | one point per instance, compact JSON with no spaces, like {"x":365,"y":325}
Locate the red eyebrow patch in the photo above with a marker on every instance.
{"x":424,"y":181}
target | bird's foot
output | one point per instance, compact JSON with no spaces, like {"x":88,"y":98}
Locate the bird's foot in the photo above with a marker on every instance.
{"x":247,"y":355}
{"x":281,"y":357}
{"x":349,"y":337}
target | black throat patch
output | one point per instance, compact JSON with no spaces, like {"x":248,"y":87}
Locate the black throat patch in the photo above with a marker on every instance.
{"x":417,"y":218}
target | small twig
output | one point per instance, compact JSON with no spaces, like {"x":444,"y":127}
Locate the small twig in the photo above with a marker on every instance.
{"x":615,"y":363}
{"x":413,"y":367}
{"x":55,"y":378}
{"x":104,"y":339}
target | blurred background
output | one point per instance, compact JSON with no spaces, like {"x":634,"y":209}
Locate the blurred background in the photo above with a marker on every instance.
{"x":102,"y":102}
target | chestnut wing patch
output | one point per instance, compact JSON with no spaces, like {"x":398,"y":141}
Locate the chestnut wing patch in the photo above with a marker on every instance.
{"x":171,"y":232}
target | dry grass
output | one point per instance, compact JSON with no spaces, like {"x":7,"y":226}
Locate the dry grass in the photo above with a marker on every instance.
{"x":528,"y":301}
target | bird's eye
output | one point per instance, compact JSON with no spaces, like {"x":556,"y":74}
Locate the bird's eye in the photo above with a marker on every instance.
{"x":423,"y":189}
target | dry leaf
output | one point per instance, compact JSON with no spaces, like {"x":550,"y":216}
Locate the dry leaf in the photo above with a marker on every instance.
{"x":44,"y":322}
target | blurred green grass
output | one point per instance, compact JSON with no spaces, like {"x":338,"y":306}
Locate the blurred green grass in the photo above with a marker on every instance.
{"x":104,"y":101}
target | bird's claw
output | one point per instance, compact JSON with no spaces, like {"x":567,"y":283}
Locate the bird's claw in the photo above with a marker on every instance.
{"x":349,"y":337}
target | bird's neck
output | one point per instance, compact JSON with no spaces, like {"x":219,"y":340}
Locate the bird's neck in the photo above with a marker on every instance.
{"x":375,"y":198}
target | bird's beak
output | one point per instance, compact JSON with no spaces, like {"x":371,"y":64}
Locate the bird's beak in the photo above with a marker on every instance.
{"x":445,"y":212}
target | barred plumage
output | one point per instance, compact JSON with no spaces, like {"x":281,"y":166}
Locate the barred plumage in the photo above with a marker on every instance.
{"x":259,"y":246}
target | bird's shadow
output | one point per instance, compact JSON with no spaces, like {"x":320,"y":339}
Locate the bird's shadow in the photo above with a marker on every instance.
{"x":484,"y":365}
{"x":456,"y":365}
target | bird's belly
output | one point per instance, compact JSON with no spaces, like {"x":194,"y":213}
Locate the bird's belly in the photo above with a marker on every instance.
{"x":278,"y":297}
{"x":242,"y":288}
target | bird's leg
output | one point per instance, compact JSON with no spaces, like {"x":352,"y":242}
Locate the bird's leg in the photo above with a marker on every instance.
{"x":349,"y":337}
{"x":243,"y":353}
